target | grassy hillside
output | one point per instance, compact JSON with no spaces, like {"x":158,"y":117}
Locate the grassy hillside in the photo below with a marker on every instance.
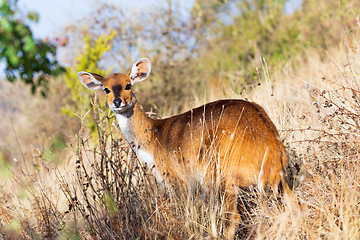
{"x":67,"y":177}
{"x":97,"y":189}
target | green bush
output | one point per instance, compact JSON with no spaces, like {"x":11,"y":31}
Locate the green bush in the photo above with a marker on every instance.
{"x":29,"y":59}
{"x":263,"y":30}
{"x":87,"y":61}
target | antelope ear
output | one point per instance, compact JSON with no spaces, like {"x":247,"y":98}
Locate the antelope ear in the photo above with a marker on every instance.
{"x":140,"y":70}
{"x":91,"y":81}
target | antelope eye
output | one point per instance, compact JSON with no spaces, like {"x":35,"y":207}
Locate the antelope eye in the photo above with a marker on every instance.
{"x":107,"y":91}
{"x":128,"y":87}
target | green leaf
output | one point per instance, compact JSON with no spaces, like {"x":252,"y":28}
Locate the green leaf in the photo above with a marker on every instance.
{"x":33,"y":16}
{"x":5,"y":8}
{"x":110,"y":203}
{"x":6,"y":24}
{"x":29,"y":44}
{"x":25,"y":57}
{"x":12,"y":56}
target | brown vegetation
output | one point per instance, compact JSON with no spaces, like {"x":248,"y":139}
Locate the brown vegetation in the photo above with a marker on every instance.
{"x":61,"y":180}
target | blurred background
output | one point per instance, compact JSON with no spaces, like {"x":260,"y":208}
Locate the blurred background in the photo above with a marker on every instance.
{"x":197,"y":49}
{"x":200,"y":50}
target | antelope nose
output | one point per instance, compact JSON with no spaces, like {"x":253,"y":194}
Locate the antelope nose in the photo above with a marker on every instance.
{"x":117,"y":102}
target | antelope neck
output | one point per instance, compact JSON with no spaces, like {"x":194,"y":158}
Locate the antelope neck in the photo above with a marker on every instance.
{"x":135,"y":126}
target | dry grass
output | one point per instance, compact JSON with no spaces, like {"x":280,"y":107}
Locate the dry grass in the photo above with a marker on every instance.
{"x":101,"y":191}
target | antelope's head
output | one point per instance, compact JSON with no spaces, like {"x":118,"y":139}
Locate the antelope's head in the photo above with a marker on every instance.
{"x":118,"y":86}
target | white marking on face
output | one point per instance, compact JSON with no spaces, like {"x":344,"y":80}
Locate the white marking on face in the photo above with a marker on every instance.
{"x":123,"y":107}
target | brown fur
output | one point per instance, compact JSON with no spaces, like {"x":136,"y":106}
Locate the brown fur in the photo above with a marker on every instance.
{"x":232,"y":137}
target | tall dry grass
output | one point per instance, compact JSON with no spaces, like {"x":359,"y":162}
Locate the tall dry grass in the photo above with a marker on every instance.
{"x":101,"y":191}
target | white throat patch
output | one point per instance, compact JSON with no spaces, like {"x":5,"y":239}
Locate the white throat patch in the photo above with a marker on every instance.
{"x":142,"y":154}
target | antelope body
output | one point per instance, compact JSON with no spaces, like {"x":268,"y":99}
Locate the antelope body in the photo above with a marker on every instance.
{"x":233,"y":140}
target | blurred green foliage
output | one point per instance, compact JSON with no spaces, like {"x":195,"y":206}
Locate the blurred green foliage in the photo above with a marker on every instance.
{"x":5,"y":171}
{"x":238,"y":42}
{"x":51,"y":154}
{"x":87,"y":61}
{"x":217,"y":44}
{"x":26,"y":58}
{"x":110,"y":203}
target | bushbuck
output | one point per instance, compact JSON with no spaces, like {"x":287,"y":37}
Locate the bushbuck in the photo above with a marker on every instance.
{"x":232,"y":140}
